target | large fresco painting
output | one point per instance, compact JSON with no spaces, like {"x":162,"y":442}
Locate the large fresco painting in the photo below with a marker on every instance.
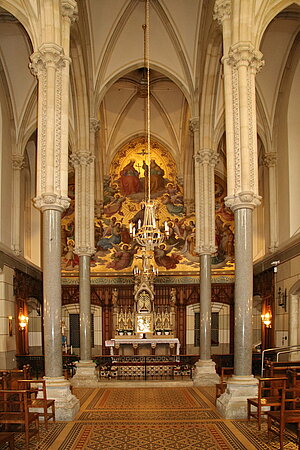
{"x":124,"y":193}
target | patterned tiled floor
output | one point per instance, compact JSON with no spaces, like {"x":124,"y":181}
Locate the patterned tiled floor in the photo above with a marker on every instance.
{"x":151,"y":419}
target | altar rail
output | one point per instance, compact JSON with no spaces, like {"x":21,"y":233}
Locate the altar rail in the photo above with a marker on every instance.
{"x":37,"y":364}
{"x":120,"y":367}
{"x":145,"y":367}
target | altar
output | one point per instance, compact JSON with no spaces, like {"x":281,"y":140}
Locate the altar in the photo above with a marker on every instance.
{"x":159,"y":345}
{"x":146,"y":328}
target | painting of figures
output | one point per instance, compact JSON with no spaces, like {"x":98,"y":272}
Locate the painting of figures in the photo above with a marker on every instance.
{"x":133,"y":175}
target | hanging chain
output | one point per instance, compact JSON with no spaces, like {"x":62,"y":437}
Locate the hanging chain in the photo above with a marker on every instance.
{"x":147,"y":56}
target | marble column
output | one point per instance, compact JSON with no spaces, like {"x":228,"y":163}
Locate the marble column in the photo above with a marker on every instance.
{"x":241,"y":63}
{"x":85,"y":308}
{"x":205,"y":161}
{"x":205,"y":307}
{"x":17,"y":164}
{"x":50,"y":64}
{"x":52,"y":286}
{"x":270,"y":161}
{"x":83,"y":163}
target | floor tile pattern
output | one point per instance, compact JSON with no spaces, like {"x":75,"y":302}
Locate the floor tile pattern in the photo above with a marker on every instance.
{"x":146,"y":418}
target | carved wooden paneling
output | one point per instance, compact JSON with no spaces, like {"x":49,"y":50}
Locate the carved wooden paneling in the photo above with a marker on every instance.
{"x":185,"y":295}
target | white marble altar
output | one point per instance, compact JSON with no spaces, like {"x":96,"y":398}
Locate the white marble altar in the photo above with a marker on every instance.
{"x":136,"y":341}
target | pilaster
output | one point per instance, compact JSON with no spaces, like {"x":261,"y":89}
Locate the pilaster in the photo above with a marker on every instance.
{"x":83,"y":163}
{"x":18,"y":162}
{"x":245,"y":62}
{"x":205,"y":162}
{"x":50,"y":65}
{"x":270,"y":161}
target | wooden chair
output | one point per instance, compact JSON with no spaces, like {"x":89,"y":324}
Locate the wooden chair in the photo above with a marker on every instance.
{"x":38,"y":399}
{"x":7,"y":438}
{"x":269,"y":396}
{"x":12,"y":375}
{"x":14,"y":409}
{"x":226,"y":372}
{"x":289,"y":413}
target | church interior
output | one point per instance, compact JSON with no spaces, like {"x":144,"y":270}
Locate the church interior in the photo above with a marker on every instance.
{"x":149,"y":216}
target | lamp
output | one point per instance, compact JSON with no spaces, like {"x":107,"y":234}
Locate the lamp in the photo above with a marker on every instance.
{"x":148,"y":234}
{"x":267,"y":318}
{"x":23,"y":320}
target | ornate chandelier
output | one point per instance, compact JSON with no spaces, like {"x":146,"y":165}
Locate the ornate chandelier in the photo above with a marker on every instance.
{"x":148,"y":234}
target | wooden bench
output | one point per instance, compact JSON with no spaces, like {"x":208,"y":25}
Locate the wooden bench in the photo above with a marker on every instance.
{"x":269,"y":396}
{"x":279,"y":368}
{"x":38,"y":400}
{"x":14,"y":409}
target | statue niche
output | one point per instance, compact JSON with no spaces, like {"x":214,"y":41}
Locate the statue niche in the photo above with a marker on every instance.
{"x":146,"y":319}
{"x":144,"y":316}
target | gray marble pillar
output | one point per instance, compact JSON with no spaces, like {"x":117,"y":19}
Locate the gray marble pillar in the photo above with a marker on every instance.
{"x":233,"y":403}
{"x":243,"y":292}
{"x":52,"y":292}
{"x":205,"y":307}
{"x":205,"y":371}
{"x":85,"y":307}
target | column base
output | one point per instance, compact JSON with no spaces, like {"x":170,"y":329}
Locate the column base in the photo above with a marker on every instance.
{"x":66,"y":404}
{"x":233,"y":403}
{"x":86,"y":375}
{"x":205,"y":373}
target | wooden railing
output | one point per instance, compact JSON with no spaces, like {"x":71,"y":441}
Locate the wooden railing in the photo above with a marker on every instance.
{"x":37,"y":363}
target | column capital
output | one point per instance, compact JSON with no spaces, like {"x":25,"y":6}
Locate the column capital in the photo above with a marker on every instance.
{"x":244,"y":54}
{"x":243,"y":200}
{"x":94,"y":125}
{"x":69,"y":10}
{"x":18,"y":161}
{"x":270,"y":159}
{"x":203,"y":249}
{"x":84,"y":250}
{"x":194,"y":124}
{"x":222,"y":10}
{"x":51,"y":201}
{"x":48,"y":55}
{"x":81,"y":159}
{"x":207,"y":156}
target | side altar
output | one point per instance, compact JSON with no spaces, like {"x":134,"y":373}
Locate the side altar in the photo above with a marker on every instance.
{"x":145,"y":328}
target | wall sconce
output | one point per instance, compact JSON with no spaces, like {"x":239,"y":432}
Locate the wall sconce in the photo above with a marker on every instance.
{"x":282,"y":298}
{"x":23,"y":321}
{"x":266,"y":319}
